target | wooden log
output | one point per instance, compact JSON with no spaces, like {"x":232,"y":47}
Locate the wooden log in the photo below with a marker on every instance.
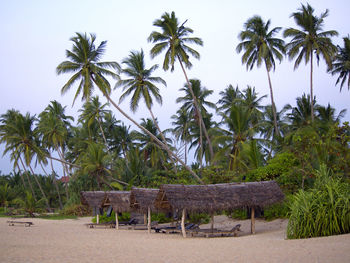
{"x":116,"y":221}
{"x":183,"y":222}
{"x":252,"y":225}
{"x":149,"y":221}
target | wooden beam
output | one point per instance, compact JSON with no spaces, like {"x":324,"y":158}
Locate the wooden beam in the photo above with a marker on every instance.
{"x":149,"y":221}
{"x":116,"y":220}
{"x":252,"y":219}
{"x":183,"y":222}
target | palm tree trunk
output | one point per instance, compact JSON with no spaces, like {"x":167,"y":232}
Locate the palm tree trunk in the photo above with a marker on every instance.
{"x":163,"y":138}
{"x":29,"y":182}
{"x":22,"y":177}
{"x":200,"y":147}
{"x":273,"y":104}
{"x":56,"y":185}
{"x":65,"y":170}
{"x":153,"y":137}
{"x":199,"y":113}
{"x":40,"y":188}
{"x":311,"y":88}
{"x":103,"y":134}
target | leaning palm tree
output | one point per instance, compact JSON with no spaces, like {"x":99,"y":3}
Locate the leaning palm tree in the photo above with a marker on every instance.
{"x":84,"y":63}
{"x":261,"y":47}
{"x":341,"y":64}
{"x":309,"y":40}
{"x":174,"y":39}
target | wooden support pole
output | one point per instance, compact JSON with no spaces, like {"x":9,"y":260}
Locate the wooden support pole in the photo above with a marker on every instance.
{"x":97,"y":218}
{"x":252,"y":226}
{"x":149,"y":221}
{"x":212,"y":222}
{"x":145,"y":218}
{"x":183,"y":222}
{"x":116,"y":220}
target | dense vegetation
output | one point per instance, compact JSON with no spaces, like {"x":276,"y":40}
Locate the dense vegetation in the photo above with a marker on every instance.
{"x":250,"y":142}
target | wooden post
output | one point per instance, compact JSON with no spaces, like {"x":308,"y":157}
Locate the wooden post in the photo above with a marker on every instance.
{"x":149,"y":221}
{"x":116,"y":220}
{"x":183,"y":222}
{"x":145,"y":218}
{"x":212,"y":222}
{"x":97,"y":218}
{"x":252,"y":226}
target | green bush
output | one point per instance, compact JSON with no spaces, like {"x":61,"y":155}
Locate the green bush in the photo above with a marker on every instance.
{"x":239,"y":214}
{"x":75,"y":210}
{"x":199,"y":218}
{"x":160,"y":218}
{"x":321,"y":211}
{"x":279,"y":210}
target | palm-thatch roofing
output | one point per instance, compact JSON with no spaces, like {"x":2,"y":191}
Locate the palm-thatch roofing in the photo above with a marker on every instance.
{"x":142,"y":198}
{"x":217,"y":197}
{"x":93,"y":198}
{"x":119,"y":200}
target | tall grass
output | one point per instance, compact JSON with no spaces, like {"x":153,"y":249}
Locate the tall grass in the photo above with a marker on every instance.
{"x":321,"y":211}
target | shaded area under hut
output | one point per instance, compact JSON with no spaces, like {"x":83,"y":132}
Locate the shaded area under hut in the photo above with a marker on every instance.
{"x":215,"y":198}
{"x":95,"y":200}
{"x":120,"y":201}
{"x":142,"y":200}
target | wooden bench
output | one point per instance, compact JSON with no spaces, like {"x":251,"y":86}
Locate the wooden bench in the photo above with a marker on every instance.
{"x":12,"y":223}
{"x":215,"y":232}
{"x":102,"y":225}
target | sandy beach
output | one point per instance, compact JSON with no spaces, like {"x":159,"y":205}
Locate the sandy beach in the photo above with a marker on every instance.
{"x":71,"y":241}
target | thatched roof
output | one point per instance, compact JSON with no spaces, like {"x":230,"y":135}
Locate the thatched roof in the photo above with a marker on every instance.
{"x":217,"y":197}
{"x":120,"y":200}
{"x":93,"y":198}
{"x":142,"y":198}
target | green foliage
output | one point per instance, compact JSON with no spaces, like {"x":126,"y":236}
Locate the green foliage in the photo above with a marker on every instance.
{"x":321,"y":211}
{"x":75,"y":210}
{"x":160,"y":218}
{"x":29,"y":205}
{"x":239,"y":214}
{"x":275,"y":211}
{"x":216,"y":174}
{"x":199,"y":218}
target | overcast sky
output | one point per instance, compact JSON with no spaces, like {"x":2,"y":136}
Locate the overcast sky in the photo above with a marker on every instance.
{"x":35,"y":35}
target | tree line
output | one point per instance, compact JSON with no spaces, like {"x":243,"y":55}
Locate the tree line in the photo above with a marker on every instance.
{"x":251,"y":142}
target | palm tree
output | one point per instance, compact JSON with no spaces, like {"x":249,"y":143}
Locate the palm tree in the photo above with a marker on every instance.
{"x":174,"y":39}
{"x":84,"y":59}
{"x":301,"y":114}
{"x":260,"y":46}
{"x":309,"y":40}
{"x":141,"y":84}
{"x":94,"y":111}
{"x":200,"y":93}
{"x":341,"y":64}
{"x":182,"y":124}
{"x":228,"y":98}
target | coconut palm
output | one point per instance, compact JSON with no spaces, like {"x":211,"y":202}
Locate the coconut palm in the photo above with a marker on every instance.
{"x":84,"y":63}
{"x":181,"y":125}
{"x":261,"y":47}
{"x":174,"y":39}
{"x":341,"y":64}
{"x":309,"y":40}
{"x":228,"y":98}
{"x":141,"y":84}
{"x":94,"y":111}
{"x":301,"y":114}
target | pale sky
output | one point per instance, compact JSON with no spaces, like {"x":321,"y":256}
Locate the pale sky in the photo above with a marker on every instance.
{"x":35,"y":35}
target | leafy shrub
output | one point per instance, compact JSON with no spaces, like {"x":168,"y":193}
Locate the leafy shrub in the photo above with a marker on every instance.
{"x":75,"y":210}
{"x":322,"y":211}
{"x":199,"y":218}
{"x":239,"y":214}
{"x":279,"y":210}
{"x":160,"y":218}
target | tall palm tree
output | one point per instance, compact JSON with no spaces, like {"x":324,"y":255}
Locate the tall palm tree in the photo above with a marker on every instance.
{"x":174,"y":39}
{"x":309,"y":40}
{"x":22,"y":140}
{"x":181,"y":128}
{"x":341,"y":64}
{"x":84,"y":63}
{"x":94,"y":111}
{"x":200,"y":93}
{"x":228,"y":98}
{"x":301,"y":113}
{"x":141,"y":84}
{"x":261,"y":46}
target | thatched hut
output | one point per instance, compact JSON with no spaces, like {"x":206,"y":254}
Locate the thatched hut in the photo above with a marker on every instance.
{"x":94,"y":199}
{"x":218,"y":197}
{"x":142,"y":200}
{"x":120,"y":201}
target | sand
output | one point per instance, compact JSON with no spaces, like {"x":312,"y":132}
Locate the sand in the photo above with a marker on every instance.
{"x":71,"y":241}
